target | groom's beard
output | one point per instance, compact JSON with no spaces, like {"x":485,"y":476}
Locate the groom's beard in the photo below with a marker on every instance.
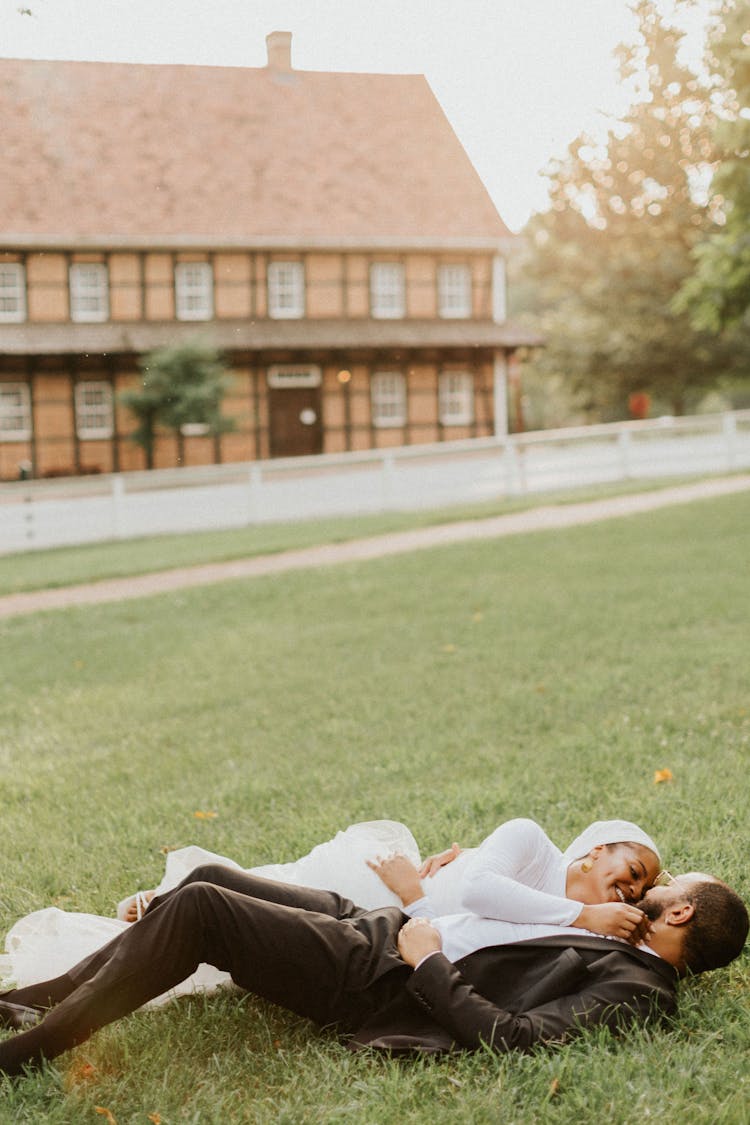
{"x":653,"y":909}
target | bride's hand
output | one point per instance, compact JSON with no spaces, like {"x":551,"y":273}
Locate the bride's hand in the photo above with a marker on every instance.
{"x":615,"y":919}
{"x":135,"y":910}
{"x":433,"y":863}
{"x":400,"y":876}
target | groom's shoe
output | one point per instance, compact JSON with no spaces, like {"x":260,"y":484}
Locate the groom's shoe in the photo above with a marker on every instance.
{"x":17,"y":1016}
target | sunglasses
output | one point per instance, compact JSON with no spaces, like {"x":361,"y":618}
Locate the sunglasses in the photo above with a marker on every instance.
{"x":663,"y":879}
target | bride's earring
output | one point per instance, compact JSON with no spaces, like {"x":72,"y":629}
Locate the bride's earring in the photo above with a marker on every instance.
{"x":586,"y":866}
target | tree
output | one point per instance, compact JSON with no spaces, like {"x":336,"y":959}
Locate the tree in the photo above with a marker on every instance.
{"x":613,"y":249}
{"x":180,"y":386}
{"x":718,"y":295}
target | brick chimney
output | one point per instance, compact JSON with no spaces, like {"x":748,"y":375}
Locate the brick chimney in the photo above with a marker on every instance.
{"x":279,"y":47}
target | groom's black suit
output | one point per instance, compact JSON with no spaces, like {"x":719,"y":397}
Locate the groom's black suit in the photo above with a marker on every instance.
{"x":321,"y":956}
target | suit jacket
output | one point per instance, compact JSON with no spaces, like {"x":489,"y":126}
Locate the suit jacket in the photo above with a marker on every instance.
{"x":513,"y":997}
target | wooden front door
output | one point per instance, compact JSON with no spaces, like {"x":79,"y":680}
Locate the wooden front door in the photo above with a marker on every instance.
{"x":296,"y":426}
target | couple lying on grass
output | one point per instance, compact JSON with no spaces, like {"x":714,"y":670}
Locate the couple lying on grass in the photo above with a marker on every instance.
{"x":508,"y":945}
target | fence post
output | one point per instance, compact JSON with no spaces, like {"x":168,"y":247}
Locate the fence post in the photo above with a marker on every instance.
{"x":28,"y":517}
{"x":729,"y":428}
{"x":515,"y":479}
{"x":255,"y":487}
{"x":118,"y":498}
{"x":624,"y":443}
{"x":388,"y":479}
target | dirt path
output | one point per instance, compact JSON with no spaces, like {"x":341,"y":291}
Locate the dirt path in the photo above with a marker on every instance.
{"x":535,"y":519}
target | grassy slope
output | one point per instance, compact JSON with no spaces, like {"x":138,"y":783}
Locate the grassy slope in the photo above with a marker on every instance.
{"x":547,"y":675}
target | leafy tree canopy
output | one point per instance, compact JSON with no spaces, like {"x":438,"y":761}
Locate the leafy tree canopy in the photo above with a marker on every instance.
{"x":613,"y":249}
{"x":180,"y":386}
{"x":718,"y":295}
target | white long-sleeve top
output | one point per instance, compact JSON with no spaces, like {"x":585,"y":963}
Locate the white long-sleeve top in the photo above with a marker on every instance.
{"x":516,"y":875}
{"x":463,"y":934}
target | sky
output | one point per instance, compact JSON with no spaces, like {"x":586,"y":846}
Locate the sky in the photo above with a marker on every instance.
{"x":517,"y":79}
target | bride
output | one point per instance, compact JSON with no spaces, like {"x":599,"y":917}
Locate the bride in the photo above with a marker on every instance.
{"x":516,"y":874}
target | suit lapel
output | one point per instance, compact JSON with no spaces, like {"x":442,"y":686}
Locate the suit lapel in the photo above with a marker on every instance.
{"x":525,"y":974}
{"x":603,"y":946}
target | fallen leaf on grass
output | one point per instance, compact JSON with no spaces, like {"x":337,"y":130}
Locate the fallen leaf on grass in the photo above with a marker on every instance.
{"x":663,"y":775}
{"x":200,"y":814}
{"x":554,"y":1087}
{"x":155,"y":1118}
{"x":80,"y":1073}
{"x":106,"y":1114}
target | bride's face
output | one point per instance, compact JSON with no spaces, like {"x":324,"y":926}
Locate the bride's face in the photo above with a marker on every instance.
{"x":621,"y":873}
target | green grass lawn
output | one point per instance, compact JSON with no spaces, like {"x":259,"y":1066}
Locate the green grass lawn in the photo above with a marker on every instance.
{"x":547,"y":675}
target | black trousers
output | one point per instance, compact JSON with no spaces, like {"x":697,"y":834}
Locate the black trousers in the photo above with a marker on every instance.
{"x":311,"y":951}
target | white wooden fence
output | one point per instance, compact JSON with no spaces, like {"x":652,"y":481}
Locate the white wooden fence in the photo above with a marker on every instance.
{"x":40,"y":514}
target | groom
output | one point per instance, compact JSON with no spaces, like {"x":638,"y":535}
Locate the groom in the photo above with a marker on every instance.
{"x":389,"y":982}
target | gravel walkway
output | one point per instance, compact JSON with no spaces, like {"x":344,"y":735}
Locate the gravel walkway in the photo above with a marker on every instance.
{"x":535,"y":519}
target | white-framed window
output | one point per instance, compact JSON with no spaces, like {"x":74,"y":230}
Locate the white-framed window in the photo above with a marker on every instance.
{"x":286,"y":290}
{"x":94,"y":410}
{"x":456,"y":398}
{"x":89,"y":291}
{"x":388,"y":398}
{"x":15,"y":412}
{"x":194,"y":290}
{"x":454,"y":291}
{"x":12,"y":292}
{"x":499,"y":290}
{"x":387,"y":290}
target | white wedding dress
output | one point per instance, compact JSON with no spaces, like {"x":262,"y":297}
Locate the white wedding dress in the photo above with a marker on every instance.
{"x":517,"y":874}
{"x":48,"y":942}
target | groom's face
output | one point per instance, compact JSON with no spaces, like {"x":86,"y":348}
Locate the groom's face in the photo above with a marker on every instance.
{"x":658,"y":899}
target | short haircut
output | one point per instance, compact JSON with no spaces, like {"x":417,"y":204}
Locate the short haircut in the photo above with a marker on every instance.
{"x":718,"y":929}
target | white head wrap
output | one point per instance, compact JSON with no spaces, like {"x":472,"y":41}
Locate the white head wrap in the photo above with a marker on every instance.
{"x":608,"y":832}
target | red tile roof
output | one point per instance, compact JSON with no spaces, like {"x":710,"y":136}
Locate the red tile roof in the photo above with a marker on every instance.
{"x":142,"y":151}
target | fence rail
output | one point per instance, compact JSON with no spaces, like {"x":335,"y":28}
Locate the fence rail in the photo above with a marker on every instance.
{"x":51,"y":513}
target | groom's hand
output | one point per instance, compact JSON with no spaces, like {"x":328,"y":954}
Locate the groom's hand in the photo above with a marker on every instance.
{"x":417,"y":939}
